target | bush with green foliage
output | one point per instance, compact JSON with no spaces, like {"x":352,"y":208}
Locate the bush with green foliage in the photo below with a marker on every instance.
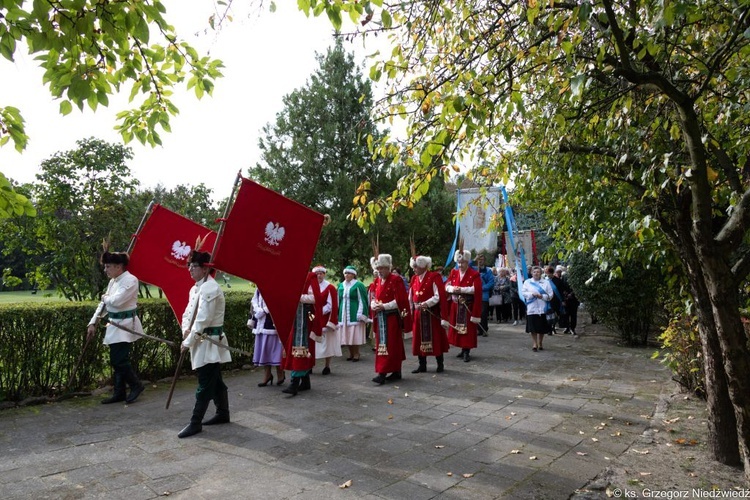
{"x":626,"y":305}
{"x":683,"y":354}
{"x":40,"y":345}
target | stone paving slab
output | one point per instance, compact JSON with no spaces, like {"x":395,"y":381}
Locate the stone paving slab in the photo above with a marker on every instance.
{"x":512,"y":423}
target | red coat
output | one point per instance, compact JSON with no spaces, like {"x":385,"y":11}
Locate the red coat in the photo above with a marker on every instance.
{"x":299,"y":349}
{"x":333,"y":315}
{"x":429,"y":337}
{"x":389,"y":347}
{"x":464,"y":306}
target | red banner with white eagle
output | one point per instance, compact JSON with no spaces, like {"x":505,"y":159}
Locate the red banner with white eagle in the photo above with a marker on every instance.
{"x":161,"y":252}
{"x":270,"y":240}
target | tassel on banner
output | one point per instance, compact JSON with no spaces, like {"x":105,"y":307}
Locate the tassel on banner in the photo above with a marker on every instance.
{"x":382,"y":350}
{"x":426,"y":347}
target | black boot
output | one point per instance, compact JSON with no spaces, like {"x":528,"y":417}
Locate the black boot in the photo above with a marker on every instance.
{"x":422,"y":365}
{"x":194,"y":427}
{"x":440,"y":367}
{"x":136,"y":387}
{"x":304,"y":384}
{"x":119,"y":391}
{"x":293,"y":387}
{"x":467,"y":357}
{"x":380,"y":379}
{"x":222,"y":409}
{"x":394,"y":376}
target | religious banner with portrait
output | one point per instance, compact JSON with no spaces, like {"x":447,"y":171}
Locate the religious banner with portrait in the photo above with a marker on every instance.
{"x":477,"y":207}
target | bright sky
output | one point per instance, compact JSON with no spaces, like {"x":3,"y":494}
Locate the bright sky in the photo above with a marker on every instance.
{"x":265,"y":58}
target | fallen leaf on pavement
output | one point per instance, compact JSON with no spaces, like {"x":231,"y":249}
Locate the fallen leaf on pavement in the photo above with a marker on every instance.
{"x":438,"y":446}
{"x":449,"y":474}
{"x":581,"y":453}
{"x":644,"y":452}
{"x":532,"y":458}
{"x":390,"y":401}
{"x":515,"y":452}
{"x":467,"y":475}
{"x":346,"y":484}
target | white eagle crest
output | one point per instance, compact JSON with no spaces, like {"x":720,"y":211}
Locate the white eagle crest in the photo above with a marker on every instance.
{"x":274,"y":234}
{"x":180,"y":250}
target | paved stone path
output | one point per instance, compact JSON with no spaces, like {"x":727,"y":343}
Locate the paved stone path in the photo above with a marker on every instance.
{"x":512,"y":423}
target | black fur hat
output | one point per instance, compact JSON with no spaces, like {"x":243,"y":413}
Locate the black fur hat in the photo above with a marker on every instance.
{"x":201,"y":258}
{"x":115,"y":258}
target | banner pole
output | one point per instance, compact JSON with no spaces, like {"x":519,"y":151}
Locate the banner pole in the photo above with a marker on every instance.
{"x":145,"y":217}
{"x":223,"y":220}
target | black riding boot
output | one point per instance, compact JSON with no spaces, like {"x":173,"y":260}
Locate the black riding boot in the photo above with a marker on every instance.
{"x":440,"y":367}
{"x":222,"y":409}
{"x":136,"y":387}
{"x":293,"y":387}
{"x":304,"y":384}
{"x":422,"y":365}
{"x":194,"y":427}
{"x":119,"y":391}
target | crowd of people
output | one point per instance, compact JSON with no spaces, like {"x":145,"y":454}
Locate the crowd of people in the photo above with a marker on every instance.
{"x":437,"y":311}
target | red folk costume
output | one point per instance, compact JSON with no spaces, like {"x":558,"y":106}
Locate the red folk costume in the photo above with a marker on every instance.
{"x":429,"y":337}
{"x":390,"y":323}
{"x":299,"y":348}
{"x":465,"y":296}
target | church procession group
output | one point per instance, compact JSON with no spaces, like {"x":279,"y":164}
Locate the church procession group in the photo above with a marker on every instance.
{"x":270,"y":241}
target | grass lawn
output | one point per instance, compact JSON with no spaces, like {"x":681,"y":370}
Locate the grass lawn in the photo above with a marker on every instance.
{"x":232,"y":284}
{"x":27,"y":296}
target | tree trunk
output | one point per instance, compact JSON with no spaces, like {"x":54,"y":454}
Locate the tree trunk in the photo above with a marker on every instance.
{"x":733,"y":341}
{"x":723,"y":442}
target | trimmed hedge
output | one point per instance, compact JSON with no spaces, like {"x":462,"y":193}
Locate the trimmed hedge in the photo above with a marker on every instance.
{"x":41,"y":343}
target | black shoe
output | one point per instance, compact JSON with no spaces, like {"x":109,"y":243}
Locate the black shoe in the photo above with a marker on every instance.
{"x":460,"y":354}
{"x":567,"y":331}
{"x":293,"y":387}
{"x":219,"y":418}
{"x":190,"y":430}
{"x":393,"y":377}
{"x":467,"y":357}
{"x":326,"y":371}
{"x":266,"y":382}
{"x":281,"y":382}
{"x":380,"y":379}
{"x":420,"y":369}
{"x":440,"y":369}
{"x":115,"y":398}
{"x":134,"y":393}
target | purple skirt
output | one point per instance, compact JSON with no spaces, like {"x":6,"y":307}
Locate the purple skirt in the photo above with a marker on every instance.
{"x":267,"y":350}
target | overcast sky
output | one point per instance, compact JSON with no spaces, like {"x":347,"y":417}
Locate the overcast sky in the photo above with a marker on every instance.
{"x":265,"y":58}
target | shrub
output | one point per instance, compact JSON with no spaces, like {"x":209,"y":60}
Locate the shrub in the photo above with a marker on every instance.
{"x":626,"y":305}
{"x":683,"y":354}
{"x":41,"y":343}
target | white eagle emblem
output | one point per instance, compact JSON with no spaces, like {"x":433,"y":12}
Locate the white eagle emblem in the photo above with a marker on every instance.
{"x":180,"y":250}
{"x":274,"y":234}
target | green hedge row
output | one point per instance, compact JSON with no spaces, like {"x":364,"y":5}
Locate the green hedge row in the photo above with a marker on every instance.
{"x":40,"y":345}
